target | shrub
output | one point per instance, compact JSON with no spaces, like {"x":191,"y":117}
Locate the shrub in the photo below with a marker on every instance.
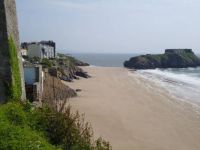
{"x":15,"y":114}
{"x":15,"y":132}
{"x":47,"y":63}
{"x":67,"y":130}
{"x":102,"y":145}
{"x":17,"y":138}
{"x":25,"y":127}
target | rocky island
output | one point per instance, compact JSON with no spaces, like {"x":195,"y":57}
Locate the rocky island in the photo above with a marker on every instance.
{"x":172,"y":58}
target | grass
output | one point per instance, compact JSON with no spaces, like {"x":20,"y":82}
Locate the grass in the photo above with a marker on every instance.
{"x":25,"y":127}
{"x":15,"y":132}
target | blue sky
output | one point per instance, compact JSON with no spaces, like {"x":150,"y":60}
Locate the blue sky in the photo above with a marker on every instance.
{"x":112,"y":26}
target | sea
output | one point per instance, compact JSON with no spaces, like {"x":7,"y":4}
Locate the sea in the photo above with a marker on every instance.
{"x":181,"y":83}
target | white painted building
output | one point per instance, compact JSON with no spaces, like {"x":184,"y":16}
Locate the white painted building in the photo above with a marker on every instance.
{"x":41,"y":50}
{"x":24,"y":52}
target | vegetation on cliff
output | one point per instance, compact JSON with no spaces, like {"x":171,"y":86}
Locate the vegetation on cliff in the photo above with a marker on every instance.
{"x":67,"y":67}
{"x":72,"y":59}
{"x":14,"y":89}
{"x":64,"y":66}
{"x":16,"y":132}
{"x":178,"y":58}
{"x":25,"y":127}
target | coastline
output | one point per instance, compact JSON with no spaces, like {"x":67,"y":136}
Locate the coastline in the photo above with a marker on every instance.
{"x":125,"y":111}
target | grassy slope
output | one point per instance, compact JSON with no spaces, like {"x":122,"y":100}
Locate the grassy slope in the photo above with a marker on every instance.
{"x":15,"y":132}
{"x":24,"y":127}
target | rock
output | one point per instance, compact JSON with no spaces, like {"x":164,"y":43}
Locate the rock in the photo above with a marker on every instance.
{"x":67,"y":68}
{"x":66,"y":78}
{"x":54,"y":90}
{"x":78,"y":90}
{"x":172,"y":58}
{"x":82,"y":74}
{"x":80,"y":63}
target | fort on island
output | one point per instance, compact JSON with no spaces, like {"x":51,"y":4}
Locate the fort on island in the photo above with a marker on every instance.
{"x":11,"y":70}
{"x":172,"y":58}
{"x":178,"y":51}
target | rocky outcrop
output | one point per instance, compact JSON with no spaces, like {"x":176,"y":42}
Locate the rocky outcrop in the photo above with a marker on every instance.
{"x":80,"y":63}
{"x":54,"y":90}
{"x":68,"y":74}
{"x":172,"y":58}
{"x":67,"y":68}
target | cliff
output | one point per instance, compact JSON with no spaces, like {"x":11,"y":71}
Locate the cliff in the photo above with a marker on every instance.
{"x":172,"y":58}
{"x":72,"y":59}
{"x":54,"y":90}
{"x":67,"y":68}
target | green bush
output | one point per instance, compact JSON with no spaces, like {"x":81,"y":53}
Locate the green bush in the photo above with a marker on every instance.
{"x":32,"y":59}
{"x":25,"y":127}
{"x":15,"y":114}
{"x":17,"y":138}
{"x":65,"y":129}
{"x":102,"y":145}
{"x":46,"y":62}
{"x":15,"y":133}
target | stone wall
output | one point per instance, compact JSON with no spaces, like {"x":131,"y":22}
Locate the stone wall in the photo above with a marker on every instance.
{"x":178,"y":51}
{"x":8,"y":29}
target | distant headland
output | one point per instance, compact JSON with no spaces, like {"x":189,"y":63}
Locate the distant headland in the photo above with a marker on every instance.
{"x":172,"y":58}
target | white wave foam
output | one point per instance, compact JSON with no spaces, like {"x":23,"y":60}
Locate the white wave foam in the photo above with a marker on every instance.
{"x":176,"y":77}
{"x":182,"y":83}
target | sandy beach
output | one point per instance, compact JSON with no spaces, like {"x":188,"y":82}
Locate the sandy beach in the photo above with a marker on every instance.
{"x":131,"y":116}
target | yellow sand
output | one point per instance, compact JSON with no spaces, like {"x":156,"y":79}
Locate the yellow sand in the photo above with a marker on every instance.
{"x":125,"y":111}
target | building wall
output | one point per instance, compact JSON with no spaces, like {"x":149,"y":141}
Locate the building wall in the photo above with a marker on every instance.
{"x":49,"y":51}
{"x":34,"y":50}
{"x":4,"y":60}
{"x":177,"y":51}
{"x":24,"y":52}
{"x":8,"y":29}
{"x":30,"y":75}
{"x":41,"y":51}
{"x":34,"y":82}
{"x":50,"y":44}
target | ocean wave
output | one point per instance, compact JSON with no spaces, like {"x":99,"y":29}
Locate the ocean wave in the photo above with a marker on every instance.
{"x":182,"y":83}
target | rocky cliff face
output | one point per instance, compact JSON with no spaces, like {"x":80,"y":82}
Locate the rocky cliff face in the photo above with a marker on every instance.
{"x":172,"y":58}
{"x":67,"y":68}
{"x":54,"y":90}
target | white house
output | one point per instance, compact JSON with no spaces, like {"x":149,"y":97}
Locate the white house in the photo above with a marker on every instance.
{"x":24,"y":52}
{"x":41,"y":50}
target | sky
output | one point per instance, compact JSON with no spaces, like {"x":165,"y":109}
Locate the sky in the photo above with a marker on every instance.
{"x":111,"y":26}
